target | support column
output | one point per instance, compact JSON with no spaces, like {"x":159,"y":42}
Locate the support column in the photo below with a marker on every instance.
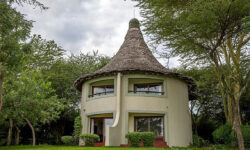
{"x":113,"y":133}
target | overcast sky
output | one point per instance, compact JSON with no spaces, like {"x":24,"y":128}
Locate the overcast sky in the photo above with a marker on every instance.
{"x":85,"y":25}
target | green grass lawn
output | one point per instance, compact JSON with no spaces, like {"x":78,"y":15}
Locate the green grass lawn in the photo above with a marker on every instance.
{"x":75,"y":148}
{"x":49,"y":147}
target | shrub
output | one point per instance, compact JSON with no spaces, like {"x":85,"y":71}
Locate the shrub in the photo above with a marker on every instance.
{"x":77,"y":129}
{"x":246,"y":135}
{"x":67,"y":140}
{"x":147,"y":138}
{"x":89,"y":139}
{"x":134,"y":138}
{"x":222,"y":134}
{"x":245,"y":129}
{"x":199,"y":142}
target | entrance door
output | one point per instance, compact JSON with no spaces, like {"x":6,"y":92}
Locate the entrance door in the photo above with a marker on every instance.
{"x":98,"y":127}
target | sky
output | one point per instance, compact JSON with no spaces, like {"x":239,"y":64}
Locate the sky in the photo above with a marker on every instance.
{"x":85,"y":25}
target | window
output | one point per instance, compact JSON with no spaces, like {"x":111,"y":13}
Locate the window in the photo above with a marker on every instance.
{"x":149,"y":88}
{"x":149,"y":124}
{"x":102,"y":90}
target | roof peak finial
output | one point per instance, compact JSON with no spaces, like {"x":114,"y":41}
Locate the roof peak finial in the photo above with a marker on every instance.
{"x":134,"y":23}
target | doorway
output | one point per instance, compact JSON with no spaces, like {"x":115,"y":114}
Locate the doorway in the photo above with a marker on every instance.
{"x":98,"y":125}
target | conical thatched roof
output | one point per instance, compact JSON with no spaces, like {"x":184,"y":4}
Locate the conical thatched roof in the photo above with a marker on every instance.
{"x":133,"y":56}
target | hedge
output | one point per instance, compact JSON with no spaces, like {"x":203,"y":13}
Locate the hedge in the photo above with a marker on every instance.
{"x":89,"y":139}
{"x":67,"y":140}
{"x":147,"y":138}
{"x":134,"y":138}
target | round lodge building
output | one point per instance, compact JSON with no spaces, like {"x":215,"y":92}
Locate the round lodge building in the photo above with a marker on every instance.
{"x":135,"y":93}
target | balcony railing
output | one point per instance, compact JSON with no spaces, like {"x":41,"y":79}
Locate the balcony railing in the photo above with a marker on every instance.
{"x":101,"y":93}
{"x":146,"y":92}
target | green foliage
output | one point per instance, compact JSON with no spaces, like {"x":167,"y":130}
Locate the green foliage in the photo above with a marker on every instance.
{"x":14,"y":29}
{"x":189,"y":26}
{"x":147,"y":138}
{"x":199,"y":142}
{"x":42,"y":53}
{"x":134,"y":138}
{"x":77,"y":128}
{"x":222,"y":147}
{"x":89,"y":139}
{"x":62,"y":74}
{"x":222,"y":134}
{"x":30,"y":2}
{"x":67,"y":140}
{"x":28,"y":94}
{"x":225,"y":135}
{"x":246,"y":135}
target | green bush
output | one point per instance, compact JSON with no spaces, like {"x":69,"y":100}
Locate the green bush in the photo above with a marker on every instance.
{"x":199,"y":142}
{"x":89,"y":139}
{"x":134,"y":138}
{"x":67,"y":140}
{"x":246,"y":135}
{"x":245,"y":129}
{"x":77,"y":129}
{"x":222,"y":134}
{"x":147,"y":138}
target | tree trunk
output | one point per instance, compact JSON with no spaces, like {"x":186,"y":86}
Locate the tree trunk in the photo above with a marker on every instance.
{"x":32,"y":129}
{"x":17,"y":139}
{"x":236,"y":126}
{"x":10,"y":132}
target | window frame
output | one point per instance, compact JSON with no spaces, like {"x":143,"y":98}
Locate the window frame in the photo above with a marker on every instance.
{"x":163,"y":125}
{"x":148,"y":86}
{"x":101,"y":86}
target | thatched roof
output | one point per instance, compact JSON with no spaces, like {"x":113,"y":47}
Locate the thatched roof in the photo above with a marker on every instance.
{"x":133,"y":56}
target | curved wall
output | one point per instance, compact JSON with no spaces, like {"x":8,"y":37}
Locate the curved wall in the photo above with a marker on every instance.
{"x":173,"y":105}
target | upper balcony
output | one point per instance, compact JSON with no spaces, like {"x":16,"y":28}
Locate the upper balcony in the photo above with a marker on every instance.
{"x":101,"y":88}
{"x":146,"y":86}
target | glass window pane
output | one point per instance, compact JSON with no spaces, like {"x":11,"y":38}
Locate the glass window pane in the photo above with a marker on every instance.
{"x":141,"y":124}
{"x":156,"y":125}
{"x":141,"y":88}
{"x":155,"y":89}
{"x":98,"y":90}
{"x":109,"y":89}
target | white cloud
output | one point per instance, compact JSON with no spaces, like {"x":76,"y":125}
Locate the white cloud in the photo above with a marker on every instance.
{"x":81,"y":25}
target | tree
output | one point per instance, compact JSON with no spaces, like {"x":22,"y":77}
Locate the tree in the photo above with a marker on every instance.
{"x":13,"y":30}
{"x":208,"y":33}
{"x":30,"y":97}
{"x":63,"y":73}
{"x":30,"y":2}
{"x":208,"y":102}
{"x":42,"y":53}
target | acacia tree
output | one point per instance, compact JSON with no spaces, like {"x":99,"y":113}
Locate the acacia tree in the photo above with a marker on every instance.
{"x":208,"y":33}
{"x":29,"y":96}
{"x":207,"y":102}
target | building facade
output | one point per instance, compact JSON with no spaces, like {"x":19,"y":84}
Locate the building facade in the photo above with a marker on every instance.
{"x":135,"y":93}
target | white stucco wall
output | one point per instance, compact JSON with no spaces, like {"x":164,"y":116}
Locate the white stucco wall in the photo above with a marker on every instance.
{"x":173,"y":106}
